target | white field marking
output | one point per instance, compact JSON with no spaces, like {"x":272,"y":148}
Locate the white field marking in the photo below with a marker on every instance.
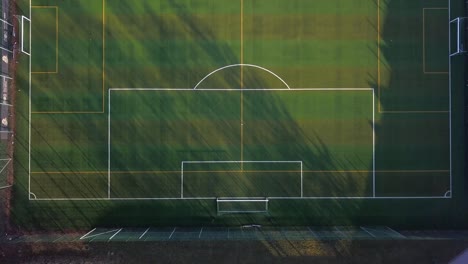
{"x":241,"y":161}
{"x":109,"y":145}
{"x":29,"y":102}
{"x":207,"y":198}
{"x":270,"y":198}
{"x":1,"y":103}
{"x":450,"y":97}
{"x":448,"y":193}
{"x":242,"y":65}
{"x":244,"y":89}
{"x":6,"y":164}
{"x":7,"y":77}
{"x":302,"y":181}
{"x":199,"y":235}
{"x":115,"y":234}
{"x":312,"y":232}
{"x":57,"y":239}
{"x":6,"y":186}
{"x":238,"y":200}
{"x":172,"y":233}
{"x":182,"y":180}
{"x":395,"y":232}
{"x":87,"y":233}
{"x":33,"y":195}
{"x":243,"y":211}
{"x":340,"y":232}
{"x":7,"y":50}
{"x":237,"y":90}
{"x":98,"y":234}
{"x":144,"y":233}
{"x":6,"y":22}
{"x":238,"y":161}
{"x":373,"y":142}
{"x":367,"y":231}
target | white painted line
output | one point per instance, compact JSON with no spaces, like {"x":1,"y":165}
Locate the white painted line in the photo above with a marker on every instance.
{"x":270,"y":198}
{"x":395,"y":232}
{"x":87,"y":233}
{"x":340,"y":232}
{"x":144,"y":233}
{"x":7,"y":50}
{"x":6,"y":22}
{"x":6,"y":186}
{"x":302,"y":181}
{"x":199,"y":235}
{"x":238,"y":90}
{"x":241,"y":161}
{"x":29,"y":102}
{"x":242,"y":200}
{"x":367,"y":231}
{"x":6,"y":77}
{"x":57,"y":239}
{"x":115,"y":234}
{"x":182,"y":180}
{"x":312,"y":232}
{"x":95,"y":235}
{"x":450,"y":98}
{"x":109,"y":147}
{"x":242,"y":65}
{"x":172,"y":233}
{"x":373,"y":142}
{"x":6,"y":164}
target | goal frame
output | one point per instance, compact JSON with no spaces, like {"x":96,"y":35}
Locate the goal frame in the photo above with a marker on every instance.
{"x":23,"y":18}
{"x":460,"y":49}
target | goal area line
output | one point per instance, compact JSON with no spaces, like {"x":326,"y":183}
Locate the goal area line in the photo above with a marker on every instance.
{"x":299,"y":163}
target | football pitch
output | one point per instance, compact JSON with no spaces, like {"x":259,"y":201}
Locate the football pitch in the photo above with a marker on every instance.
{"x":143,"y":111}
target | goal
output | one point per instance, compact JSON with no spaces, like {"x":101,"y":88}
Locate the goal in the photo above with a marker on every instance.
{"x":458,"y":29}
{"x":25,"y":35}
{"x":241,"y":206}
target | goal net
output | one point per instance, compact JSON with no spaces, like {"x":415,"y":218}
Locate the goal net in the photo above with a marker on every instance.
{"x":240,"y":206}
{"x":458,"y":29}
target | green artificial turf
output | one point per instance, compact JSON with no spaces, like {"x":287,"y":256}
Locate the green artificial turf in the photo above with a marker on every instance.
{"x":89,"y":143}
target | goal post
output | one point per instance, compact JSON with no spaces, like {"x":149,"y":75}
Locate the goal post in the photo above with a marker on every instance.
{"x":458,"y":36}
{"x":241,"y":206}
{"x":25,"y":35}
